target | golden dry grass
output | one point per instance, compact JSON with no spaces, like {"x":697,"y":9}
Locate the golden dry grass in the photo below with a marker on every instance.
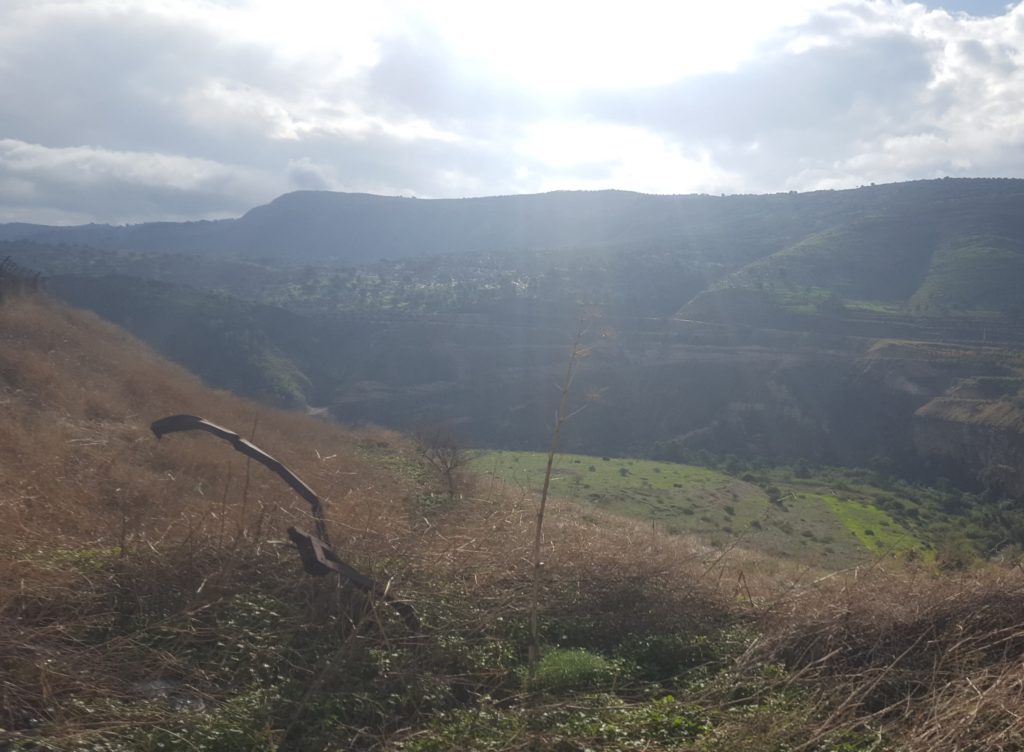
{"x":933,"y":661}
{"x":77,"y":396}
{"x":95,"y":510}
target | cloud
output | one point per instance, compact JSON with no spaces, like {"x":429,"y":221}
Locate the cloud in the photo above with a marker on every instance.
{"x":818,"y":89}
{"x":576,"y":155}
{"x":114,"y":95}
{"x":865,"y":92}
{"x":305,"y":175}
{"x":123,"y":110}
{"x":65,"y":180}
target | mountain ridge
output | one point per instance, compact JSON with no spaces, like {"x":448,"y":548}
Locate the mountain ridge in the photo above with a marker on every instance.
{"x":305,"y":226}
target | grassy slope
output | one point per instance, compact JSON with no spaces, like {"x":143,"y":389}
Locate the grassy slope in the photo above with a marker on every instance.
{"x":878,"y":262}
{"x":143,"y":580}
{"x":810,"y":520}
{"x":147,"y":601}
{"x":78,"y":397}
{"x":974,"y":273}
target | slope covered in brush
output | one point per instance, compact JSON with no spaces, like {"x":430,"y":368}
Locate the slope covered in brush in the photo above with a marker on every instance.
{"x":981,"y":272}
{"x":78,"y":395}
{"x":148,"y":600}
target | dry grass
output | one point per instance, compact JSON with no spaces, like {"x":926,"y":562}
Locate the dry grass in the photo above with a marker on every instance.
{"x":76,"y":398}
{"x":934,"y":662}
{"x":617,"y":577}
{"x":94,"y":511}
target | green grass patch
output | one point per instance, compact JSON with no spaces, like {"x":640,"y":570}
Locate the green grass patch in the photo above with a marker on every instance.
{"x":575,"y":669}
{"x":800,"y":518}
{"x":981,"y":272}
{"x":880,"y":307}
{"x":875,"y":529}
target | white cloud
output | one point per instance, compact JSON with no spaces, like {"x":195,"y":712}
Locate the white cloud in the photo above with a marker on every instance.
{"x":146,"y":109}
{"x":86,"y":166}
{"x":115,"y":184}
{"x":305,"y":174}
{"x":572,"y":44}
{"x":863,"y":92}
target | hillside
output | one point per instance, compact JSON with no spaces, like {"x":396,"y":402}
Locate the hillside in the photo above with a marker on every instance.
{"x":80,"y":461}
{"x":920,"y":263}
{"x":149,"y":599}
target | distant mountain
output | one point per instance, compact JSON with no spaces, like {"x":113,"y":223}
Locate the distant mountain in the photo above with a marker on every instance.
{"x":319,"y":226}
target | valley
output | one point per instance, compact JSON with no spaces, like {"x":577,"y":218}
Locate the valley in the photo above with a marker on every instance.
{"x":795,"y":462}
{"x":834,"y":326}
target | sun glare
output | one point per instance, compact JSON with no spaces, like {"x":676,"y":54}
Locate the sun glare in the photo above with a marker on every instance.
{"x":573,"y":45}
{"x":545,"y":47}
{"x":590,"y":156}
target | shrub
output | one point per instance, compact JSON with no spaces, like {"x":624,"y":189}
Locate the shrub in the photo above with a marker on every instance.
{"x":562,"y":670}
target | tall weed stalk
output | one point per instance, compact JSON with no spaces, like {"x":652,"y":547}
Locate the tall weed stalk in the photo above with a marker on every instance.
{"x":561,"y":416}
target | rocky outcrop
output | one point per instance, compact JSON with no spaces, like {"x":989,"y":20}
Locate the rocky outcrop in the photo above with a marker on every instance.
{"x":984,"y":436}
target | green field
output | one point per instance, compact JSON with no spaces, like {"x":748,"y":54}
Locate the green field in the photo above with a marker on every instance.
{"x":808,"y":520}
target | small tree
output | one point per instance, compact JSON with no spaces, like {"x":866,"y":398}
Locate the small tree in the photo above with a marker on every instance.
{"x":444,"y":453}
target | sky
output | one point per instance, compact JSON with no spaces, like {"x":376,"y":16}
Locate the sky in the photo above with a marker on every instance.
{"x":125,"y":111}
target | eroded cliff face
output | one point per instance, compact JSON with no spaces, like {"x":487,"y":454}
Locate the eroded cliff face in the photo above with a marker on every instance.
{"x":674,"y":393}
{"x":978,"y":426}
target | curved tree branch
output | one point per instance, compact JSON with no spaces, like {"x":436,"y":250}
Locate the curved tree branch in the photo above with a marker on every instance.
{"x":317,"y":557}
{"x":175,"y":423}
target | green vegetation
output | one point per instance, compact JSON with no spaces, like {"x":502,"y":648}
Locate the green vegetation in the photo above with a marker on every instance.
{"x":576,"y":669}
{"x":872,"y":526}
{"x":770,"y":511}
{"x":831,"y":516}
{"x":974,"y":273}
